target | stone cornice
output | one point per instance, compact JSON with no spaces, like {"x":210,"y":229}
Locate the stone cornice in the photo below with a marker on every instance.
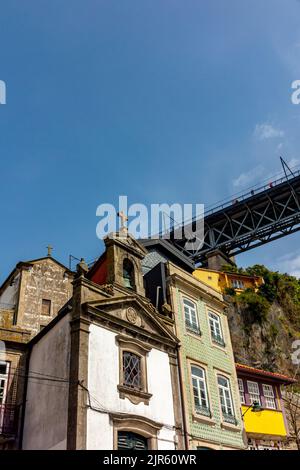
{"x":177,"y":280}
{"x":120,"y":326}
{"x":104,"y":289}
{"x":125,"y":340}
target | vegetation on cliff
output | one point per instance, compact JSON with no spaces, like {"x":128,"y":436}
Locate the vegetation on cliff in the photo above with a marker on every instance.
{"x":265,"y":322}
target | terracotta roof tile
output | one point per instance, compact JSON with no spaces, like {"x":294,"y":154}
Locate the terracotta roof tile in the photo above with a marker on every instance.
{"x":264,"y":373}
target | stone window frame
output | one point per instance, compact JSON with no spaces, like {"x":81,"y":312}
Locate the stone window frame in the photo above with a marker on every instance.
{"x":128,"y":257}
{"x":128,"y":344}
{"x":196,"y":416}
{"x":195,"y":301}
{"x":137,"y":424}
{"x":49,"y":304}
{"x":129,"y":262}
{"x":220,"y":315}
{"x":229,"y":426}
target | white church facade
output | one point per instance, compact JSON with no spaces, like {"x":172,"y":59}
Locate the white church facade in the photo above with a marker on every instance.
{"x":104,"y":373}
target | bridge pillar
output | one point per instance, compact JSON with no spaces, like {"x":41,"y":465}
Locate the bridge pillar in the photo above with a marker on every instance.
{"x":217,"y":259}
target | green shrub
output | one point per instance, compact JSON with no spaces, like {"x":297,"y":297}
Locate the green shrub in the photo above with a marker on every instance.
{"x":229,"y":291}
{"x":256,"y":307}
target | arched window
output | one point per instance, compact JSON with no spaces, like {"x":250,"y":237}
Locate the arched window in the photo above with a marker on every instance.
{"x":128,"y":274}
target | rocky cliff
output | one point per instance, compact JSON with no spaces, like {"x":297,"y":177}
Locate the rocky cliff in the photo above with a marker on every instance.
{"x":264,"y":324}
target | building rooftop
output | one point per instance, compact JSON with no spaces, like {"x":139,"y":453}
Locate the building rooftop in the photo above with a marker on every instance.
{"x":264,"y":373}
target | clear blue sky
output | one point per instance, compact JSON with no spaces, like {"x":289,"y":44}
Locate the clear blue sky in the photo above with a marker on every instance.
{"x":165,"y":101}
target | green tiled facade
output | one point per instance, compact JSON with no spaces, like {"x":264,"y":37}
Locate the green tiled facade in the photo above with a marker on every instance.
{"x":200,"y":349}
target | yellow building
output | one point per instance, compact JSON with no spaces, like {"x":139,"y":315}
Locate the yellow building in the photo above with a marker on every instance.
{"x":262,"y":407}
{"x":221,"y":280}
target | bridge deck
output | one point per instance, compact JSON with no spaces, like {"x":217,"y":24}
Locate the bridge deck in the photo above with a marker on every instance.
{"x":256,"y":217}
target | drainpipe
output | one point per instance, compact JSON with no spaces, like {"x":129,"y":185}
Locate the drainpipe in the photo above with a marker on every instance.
{"x":180,"y":369}
{"x":183,"y":408}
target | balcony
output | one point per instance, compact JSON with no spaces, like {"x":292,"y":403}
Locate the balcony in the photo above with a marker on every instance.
{"x":8,"y":420}
{"x":218,"y":340}
{"x":192,"y":328}
{"x":203,"y":410}
{"x":230,"y":419}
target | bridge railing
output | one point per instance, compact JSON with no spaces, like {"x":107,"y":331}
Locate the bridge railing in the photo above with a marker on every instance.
{"x":251,"y":192}
{"x":239,"y":197}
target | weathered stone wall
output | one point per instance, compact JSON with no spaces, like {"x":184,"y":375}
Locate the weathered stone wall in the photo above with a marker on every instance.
{"x":45,"y":279}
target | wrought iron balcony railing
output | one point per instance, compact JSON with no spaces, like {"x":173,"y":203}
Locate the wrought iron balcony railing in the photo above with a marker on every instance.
{"x":229,"y":419}
{"x":203,"y":410}
{"x":192,"y":328}
{"x":8,"y":420}
{"x":218,"y":340}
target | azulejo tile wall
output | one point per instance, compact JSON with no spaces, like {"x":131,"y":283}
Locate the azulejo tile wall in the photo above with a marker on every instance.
{"x":202,"y":351}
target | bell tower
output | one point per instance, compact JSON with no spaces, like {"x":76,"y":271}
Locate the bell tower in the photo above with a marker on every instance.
{"x":124,"y":255}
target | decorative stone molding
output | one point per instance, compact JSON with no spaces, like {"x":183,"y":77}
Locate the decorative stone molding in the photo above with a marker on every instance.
{"x":133,"y":395}
{"x":131,"y":315}
{"x":133,"y":345}
{"x":137,"y":424}
{"x":136,"y":396}
{"x":108,"y":288}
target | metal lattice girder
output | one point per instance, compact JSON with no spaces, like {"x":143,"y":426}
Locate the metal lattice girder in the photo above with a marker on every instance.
{"x":259,"y":217}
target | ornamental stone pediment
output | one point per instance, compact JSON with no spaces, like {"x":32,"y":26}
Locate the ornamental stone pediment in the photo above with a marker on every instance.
{"x":131,"y":313}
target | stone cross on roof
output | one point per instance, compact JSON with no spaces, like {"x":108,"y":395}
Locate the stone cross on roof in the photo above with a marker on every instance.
{"x":124,"y":219}
{"x":49,"y":248}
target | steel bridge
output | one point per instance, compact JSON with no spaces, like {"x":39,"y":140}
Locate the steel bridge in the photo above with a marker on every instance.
{"x":257,"y":217}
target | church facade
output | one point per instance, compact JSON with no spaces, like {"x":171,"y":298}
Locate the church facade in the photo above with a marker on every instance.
{"x":30,"y":298}
{"x":114,"y":360}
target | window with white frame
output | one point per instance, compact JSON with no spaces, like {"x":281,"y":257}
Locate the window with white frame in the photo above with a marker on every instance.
{"x":200,"y":391}
{"x":226,"y":400}
{"x":216,"y":329}
{"x":191,"y":316}
{"x":237,"y":284}
{"x":4,"y":367}
{"x":242,"y":391}
{"x":269,"y":396}
{"x":254,"y":393}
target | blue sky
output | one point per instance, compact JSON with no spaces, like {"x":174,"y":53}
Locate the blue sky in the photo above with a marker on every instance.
{"x":164,"y":101}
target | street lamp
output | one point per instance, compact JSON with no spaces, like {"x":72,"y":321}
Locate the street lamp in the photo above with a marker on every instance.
{"x":255,"y":407}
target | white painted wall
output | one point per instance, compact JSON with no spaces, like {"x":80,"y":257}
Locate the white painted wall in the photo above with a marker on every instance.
{"x":103,"y":379}
{"x":46,"y":416}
